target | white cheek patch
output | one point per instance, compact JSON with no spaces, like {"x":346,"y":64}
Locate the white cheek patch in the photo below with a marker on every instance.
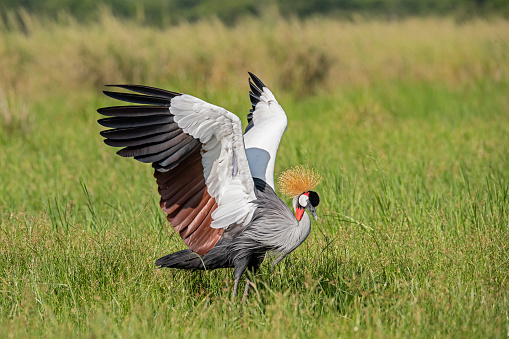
{"x":303,"y":200}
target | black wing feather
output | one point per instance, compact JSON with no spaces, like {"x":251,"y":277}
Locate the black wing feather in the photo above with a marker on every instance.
{"x":157,"y":92}
{"x":162,"y":156}
{"x":153,"y":148}
{"x":138,"y":132}
{"x":139,"y":99}
{"x":256,"y":87}
{"x":143,"y":141}
{"x":133,"y":111}
{"x":254,"y":99}
{"x":127,"y":122}
{"x":257,"y":81}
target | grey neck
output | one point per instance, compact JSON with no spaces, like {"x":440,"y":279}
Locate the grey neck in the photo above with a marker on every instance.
{"x":305,"y":222}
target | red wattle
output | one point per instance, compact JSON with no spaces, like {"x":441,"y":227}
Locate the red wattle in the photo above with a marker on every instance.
{"x":299,"y":212}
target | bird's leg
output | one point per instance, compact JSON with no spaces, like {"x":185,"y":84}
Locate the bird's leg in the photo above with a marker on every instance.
{"x":246,"y":290}
{"x":235,"y":286}
{"x":239,"y":268}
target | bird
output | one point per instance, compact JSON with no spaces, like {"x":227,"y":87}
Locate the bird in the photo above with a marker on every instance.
{"x":216,"y":184}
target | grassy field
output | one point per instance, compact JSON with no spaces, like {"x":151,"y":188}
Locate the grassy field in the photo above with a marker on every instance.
{"x":407,"y":122}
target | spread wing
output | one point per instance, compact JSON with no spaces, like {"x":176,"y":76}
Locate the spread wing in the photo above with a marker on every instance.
{"x":267,"y":122}
{"x":198,"y":155}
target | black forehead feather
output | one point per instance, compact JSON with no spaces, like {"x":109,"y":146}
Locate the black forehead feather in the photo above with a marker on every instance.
{"x":314,"y":199}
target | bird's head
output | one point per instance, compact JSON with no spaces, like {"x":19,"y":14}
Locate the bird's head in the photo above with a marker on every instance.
{"x":308,"y":200}
{"x":298,"y":182}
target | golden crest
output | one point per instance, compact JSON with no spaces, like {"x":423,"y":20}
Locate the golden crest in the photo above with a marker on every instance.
{"x":297,"y":180}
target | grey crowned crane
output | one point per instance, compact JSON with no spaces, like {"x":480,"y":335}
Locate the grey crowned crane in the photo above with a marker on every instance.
{"x":216,"y":185}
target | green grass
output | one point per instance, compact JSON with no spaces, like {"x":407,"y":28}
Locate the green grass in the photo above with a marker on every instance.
{"x":413,"y":239}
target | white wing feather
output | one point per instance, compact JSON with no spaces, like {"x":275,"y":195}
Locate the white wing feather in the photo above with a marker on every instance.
{"x":225,"y":165}
{"x":262,"y":140}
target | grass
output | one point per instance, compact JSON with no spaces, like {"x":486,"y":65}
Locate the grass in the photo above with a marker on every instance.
{"x":406,"y":121}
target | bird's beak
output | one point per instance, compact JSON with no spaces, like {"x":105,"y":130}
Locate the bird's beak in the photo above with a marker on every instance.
{"x":311,"y":210}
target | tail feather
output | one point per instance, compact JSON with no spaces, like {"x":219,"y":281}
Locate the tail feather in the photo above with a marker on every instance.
{"x":186,"y":259}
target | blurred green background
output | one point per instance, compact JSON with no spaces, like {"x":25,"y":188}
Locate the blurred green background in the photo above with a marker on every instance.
{"x":164,"y":12}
